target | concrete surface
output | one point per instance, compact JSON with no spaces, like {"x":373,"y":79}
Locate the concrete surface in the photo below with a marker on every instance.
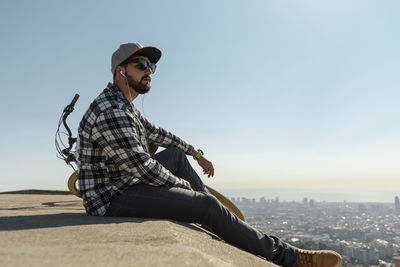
{"x":53,"y":230}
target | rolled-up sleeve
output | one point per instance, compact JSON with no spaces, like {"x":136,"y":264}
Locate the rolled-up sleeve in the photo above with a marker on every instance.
{"x":116,"y":133}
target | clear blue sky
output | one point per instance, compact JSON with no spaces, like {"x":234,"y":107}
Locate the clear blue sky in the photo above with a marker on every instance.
{"x":279,"y":94}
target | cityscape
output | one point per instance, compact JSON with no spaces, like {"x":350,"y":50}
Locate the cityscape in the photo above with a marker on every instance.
{"x":365,"y":234}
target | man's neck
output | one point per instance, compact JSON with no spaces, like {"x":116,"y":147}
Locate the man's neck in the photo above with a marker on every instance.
{"x":125,"y":89}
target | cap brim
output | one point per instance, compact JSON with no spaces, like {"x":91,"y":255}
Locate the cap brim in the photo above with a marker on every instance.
{"x":151,"y":52}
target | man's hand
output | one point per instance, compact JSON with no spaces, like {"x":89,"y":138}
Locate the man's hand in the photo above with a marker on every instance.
{"x":208,"y":168}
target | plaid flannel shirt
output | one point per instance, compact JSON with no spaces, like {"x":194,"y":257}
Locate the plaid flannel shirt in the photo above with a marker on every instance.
{"x":113,"y":153}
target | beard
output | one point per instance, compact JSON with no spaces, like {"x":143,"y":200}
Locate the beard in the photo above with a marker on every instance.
{"x":139,"y":86}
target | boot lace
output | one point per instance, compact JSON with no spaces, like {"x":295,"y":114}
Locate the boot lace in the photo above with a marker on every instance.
{"x":305,"y":258}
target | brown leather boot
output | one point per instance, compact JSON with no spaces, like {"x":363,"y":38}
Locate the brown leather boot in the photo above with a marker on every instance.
{"x":318,"y":258}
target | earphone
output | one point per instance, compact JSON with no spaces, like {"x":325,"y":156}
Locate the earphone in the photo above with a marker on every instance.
{"x":122,"y":73}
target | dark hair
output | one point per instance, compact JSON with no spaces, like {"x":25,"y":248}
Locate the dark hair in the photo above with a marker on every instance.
{"x":124,"y":64}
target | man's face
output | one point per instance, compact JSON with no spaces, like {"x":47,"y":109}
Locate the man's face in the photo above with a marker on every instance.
{"x":138,"y":79}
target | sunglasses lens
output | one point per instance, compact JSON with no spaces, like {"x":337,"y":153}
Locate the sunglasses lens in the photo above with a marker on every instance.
{"x":144,"y":63}
{"x":142,"y":66}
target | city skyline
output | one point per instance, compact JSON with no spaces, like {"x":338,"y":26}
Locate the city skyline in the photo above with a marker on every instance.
{"x":363,"y":233}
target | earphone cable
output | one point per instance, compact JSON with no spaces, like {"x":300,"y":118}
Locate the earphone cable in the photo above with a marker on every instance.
{"x":144,"y":114}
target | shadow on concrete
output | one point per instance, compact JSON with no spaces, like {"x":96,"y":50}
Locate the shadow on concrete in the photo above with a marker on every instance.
{"x":74,"y":205}
{"x":27,"y":222}
{"x":38,"y":192}
{"x":63,"y":204}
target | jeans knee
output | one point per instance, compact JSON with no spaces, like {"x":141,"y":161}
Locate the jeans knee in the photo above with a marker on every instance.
{"x":212,"y":213}
{"x":176,"y":152}
{"x":212,"y":203}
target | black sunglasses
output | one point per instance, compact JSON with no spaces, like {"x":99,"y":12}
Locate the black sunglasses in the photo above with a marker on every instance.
{"x":143,"y":64}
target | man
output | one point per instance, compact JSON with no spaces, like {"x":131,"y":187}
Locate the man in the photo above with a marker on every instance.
{"x":118,"y":176}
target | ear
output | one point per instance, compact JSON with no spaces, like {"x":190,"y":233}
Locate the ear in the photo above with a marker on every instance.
{"x":117,"y":74}
{"x":118,"y":69}
{"x":120,"y":72}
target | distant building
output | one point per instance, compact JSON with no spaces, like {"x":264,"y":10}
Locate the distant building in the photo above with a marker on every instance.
{"x":396,"y":259}
{"x":364,"y":256}
{"x":305,"y":201}
{"x":362,"y":207}
{"x":245,"y":200}
{"x":397,"y":205}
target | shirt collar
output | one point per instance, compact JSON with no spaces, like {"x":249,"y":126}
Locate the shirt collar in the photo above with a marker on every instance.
{"x":113,"y":87}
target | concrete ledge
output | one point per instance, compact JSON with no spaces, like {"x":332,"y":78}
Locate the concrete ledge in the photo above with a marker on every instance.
{"x":53,"y":230}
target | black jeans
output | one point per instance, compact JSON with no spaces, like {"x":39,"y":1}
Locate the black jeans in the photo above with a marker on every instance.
{"x":198,"y":206}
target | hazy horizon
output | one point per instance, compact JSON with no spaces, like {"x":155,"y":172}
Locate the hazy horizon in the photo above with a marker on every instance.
{"x":297,"y":195}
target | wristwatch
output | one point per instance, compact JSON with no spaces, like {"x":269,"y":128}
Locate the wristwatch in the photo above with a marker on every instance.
{"x":199,"y":154}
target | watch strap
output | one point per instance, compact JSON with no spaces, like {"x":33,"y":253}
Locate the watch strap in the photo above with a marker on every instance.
{"x":199,"y":154}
